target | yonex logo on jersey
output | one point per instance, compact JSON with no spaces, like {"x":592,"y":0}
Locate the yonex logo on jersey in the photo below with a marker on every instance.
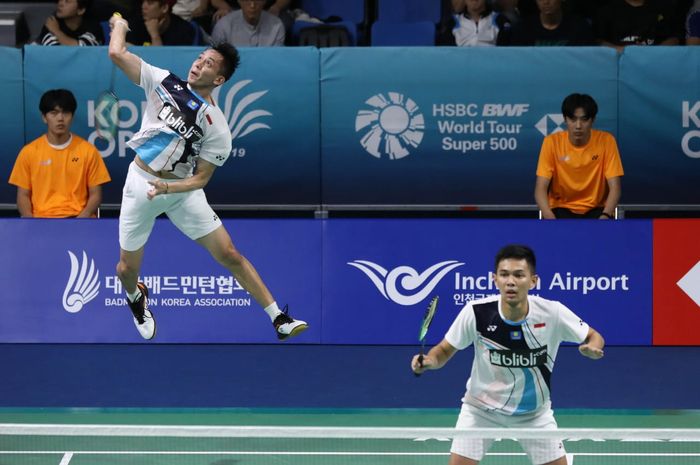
{"x":491,"y":328}
{"x":525,"y":358}
{"x":176,"y":121}
{"x":177,"y":87}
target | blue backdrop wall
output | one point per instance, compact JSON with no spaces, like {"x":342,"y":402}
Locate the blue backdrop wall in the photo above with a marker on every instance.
{"x":393,"y":125}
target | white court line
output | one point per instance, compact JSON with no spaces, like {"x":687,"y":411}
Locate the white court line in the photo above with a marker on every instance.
{"x":66,"y":458}
{"x":247,"y":452}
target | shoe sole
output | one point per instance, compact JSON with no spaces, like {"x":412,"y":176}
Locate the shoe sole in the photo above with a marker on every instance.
{"x":298,"y":330}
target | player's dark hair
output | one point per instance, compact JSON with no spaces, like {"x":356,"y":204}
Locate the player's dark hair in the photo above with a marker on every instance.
{"x":517,"y":252}
{"x":574,"y":101}
{"x":231,"y":58}
{"x":61,"y":98}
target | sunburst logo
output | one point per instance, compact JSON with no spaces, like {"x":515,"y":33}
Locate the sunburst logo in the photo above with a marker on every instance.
{"x":242,"y":120}
{"x":392,"y":125}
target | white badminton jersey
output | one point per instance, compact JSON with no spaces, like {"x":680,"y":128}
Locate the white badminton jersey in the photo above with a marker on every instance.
{"x":513,"y":362}
{"x":178,"y":126}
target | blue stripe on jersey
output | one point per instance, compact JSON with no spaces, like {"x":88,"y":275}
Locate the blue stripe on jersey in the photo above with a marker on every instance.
{"x":154,"y":146}
{"x":528,"y":402}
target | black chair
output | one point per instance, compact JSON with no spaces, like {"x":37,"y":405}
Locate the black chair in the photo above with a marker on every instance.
{"x":325,"y":35}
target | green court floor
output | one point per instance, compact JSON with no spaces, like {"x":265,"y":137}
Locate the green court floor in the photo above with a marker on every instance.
{"x":98,"y":450}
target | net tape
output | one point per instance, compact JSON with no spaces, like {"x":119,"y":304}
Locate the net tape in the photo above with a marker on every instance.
{"x":642,"y":434}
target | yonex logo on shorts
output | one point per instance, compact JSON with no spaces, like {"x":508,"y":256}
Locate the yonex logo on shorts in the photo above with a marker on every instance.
{"x":391,"y":125}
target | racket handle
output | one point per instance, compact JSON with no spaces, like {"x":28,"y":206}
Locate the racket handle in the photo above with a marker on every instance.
{"x":420,"y":362}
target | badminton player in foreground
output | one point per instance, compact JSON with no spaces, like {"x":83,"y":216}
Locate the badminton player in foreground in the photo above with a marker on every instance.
{"x":516,"y":338}
{"x":183,"y":138}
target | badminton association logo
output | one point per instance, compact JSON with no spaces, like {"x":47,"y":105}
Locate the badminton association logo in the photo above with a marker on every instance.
{"x":391,"y":125}
{"x":241,"y":120}
{"x":83,"y":283}
{"x":404,"y":285}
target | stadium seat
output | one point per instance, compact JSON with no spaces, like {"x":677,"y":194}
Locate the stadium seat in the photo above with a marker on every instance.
{"x":345,"y":13}
{"x":325,"y":35}
{"x":413,"y":33}
{"x":409,"y":10}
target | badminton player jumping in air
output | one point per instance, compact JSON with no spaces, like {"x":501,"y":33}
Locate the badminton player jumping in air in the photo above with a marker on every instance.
{"x":183,"y":138}
{"x":516,"y":338}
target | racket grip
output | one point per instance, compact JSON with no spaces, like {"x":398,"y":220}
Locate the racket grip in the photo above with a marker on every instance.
{"x":420,"y":362}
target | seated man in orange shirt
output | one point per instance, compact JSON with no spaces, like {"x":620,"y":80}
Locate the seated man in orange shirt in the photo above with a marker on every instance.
{"x":579,"y":170}
{"x":59,"y":175}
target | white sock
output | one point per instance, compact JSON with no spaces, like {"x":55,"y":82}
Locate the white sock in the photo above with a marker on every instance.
{"x":133,"y":296}
{"x":272,"y":310}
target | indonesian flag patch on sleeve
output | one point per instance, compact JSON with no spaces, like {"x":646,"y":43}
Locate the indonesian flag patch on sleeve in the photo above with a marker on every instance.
{"x":208,"y":119}
{"x":540,"y":325}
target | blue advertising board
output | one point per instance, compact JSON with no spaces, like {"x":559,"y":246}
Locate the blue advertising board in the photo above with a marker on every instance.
{"x":59,"y":282}
{"x":460,"y":126}
{"x":271,"y":104}
{"x":11,"y":117}
{"x":354,"y":281}
{"x":660,"y":125}
{"x":380,"y":275}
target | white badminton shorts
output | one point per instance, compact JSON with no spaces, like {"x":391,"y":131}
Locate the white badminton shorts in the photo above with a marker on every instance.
{"x":540,"y":451}
{"x":189,"y":211}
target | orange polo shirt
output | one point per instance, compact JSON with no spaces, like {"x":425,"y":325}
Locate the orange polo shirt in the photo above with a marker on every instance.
{"x":578,"y":175}
{"x":59,"y":178}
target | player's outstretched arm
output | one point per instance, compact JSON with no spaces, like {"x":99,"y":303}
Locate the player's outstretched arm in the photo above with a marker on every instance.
{"x":592,"y":347}
{"x":127,"y":61}
{"x":435,"y":359}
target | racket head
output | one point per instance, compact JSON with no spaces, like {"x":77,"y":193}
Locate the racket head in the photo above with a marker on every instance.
{"x":107,"y":115}
{"x":428,"y":318}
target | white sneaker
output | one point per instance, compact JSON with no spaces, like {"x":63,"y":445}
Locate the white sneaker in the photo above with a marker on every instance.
{"x":286,"y":326}
{"x":143,"y":318}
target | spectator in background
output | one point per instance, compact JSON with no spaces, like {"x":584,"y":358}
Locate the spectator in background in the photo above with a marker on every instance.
{"x":692,"y":25}
{"x":59,"y":175}
{"x":550,"y":27}
{"x":508,"y":8}
{"x":251,"y":26}
{"x":579,"y":170}
{"x":190,"y":9}
{"x":159,"y":26}
{"x":70,"y":25}
{"x":635,"y":22}
{"x":474,"y":23}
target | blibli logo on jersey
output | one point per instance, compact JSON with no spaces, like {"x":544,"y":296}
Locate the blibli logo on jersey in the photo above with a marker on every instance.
{"x":525,"y":358}
{"x":175,"y":120}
